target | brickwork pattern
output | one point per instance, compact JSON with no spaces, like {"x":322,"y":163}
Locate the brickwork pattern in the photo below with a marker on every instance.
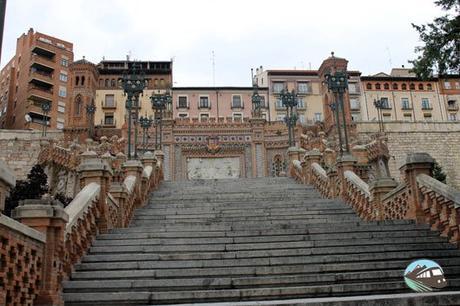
{"x":20,"y":268}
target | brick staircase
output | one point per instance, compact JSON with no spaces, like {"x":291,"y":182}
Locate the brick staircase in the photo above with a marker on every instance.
{"x":257,"y":242}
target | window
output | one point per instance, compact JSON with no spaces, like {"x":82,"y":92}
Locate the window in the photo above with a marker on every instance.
{"x":368,"y":86}
{"x":112,"y":83}
{"x":407,"y":117}
{"x":183,"y":115}
{"x":429,"y":86}
{"x":278,"y":87}
{"x":354,"y":104}
{"x":155,"y":83}
{"x":280,"y":117}
{"x":302,"y":118}
{"x":78,"y":105}
{"x":377,"y":86}
{"x":279,"y":103}
{"x":420,"y":86}
{"x":204,"y":102}
{"x":385,"y":103}
{"x":457,"y":85}
{"x":64,"y":62}
{"x":59,"y":125}
{"x":109,"y":101}
{"x":386,"y":86}
{"x":427,"y":117}
{"x":395,"y":86}
{"x":405,"y":103}
{"x":426,"y":103}
{"x":353,"y":88}
{"x":182,"y":102}
{"x":82,"y":80}
{"x":300,"y":103}
{"x":63,"y":77}
{"x":452,"y":117}
{"x":447,"y":85}
{"x":452,"y":105}
{"x":237,"y":116}
{"x":77,"y":80}
{"x":62,"y":92}
{"x":204,"y":117}
{"x":404,"y":87}
{"x":106,"y":83}
{"x":303,"y":87}
{"x":236,"y":101}
{"x":262,"y":101}
{"x":318,"y":117}
{"x":108,"y":119}
{"x":412,"y":86}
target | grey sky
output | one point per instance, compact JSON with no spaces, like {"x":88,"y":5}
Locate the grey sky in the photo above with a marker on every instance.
{"x":242,"y":33}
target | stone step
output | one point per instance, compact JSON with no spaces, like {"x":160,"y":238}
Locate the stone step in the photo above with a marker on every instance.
{"x":269,"y":235}
{"x":149,"y":297}
{"x":235,"y":282}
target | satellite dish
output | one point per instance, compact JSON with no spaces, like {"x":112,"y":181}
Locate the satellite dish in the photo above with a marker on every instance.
{"x":28,"y":118}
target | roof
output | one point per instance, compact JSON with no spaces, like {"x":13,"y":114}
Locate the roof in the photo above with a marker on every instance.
{"x":198,"y":88}
{"x":83,"y":61}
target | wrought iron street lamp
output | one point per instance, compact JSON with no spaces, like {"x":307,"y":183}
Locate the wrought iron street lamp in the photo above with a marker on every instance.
{"x":133,"y":85}
{"x":46,"y":107}
{"x":145,"y":123}
{"x":338,"y":84}
{"x":159,"y":101}
{"x":380,"y":104}
{"x":256,"y":102}
{"x":90,"y":110}
{"x":289,"y":100}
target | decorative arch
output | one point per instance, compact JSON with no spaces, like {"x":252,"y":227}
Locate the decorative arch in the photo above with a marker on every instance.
{"x":278,"y":165}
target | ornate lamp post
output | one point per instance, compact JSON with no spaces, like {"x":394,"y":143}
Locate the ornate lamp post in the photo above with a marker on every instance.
{"x":289,"y":100}
{"x":46,"y":107}
{"x":159,"y":103}
{"x":90,"y":110}
{"x":146,"y":123}
{"x":256,"y":102}
{"x":133,"y":86}
{"x":380,"y":104}
{"x":338,"y":84}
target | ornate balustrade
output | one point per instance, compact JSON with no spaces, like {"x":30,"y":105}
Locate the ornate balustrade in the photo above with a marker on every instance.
{"x":38,"y":252}
{"x":419,"y":197}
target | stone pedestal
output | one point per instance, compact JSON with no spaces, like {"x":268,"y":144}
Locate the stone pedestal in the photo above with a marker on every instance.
{"x":344,"y":163}
{"x":47,"y":216}
{"x":312,"y":156}
{"x":378,"y":188}
{"x":95,"y":170}
{"x":148,"y":159}
{"x":416,"y":163}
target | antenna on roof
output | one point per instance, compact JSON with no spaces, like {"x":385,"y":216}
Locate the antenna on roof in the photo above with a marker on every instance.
{"x":389,"y":57}
{"x":213,"y":58}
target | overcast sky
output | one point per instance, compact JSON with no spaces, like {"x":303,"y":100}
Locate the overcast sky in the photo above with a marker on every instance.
{"x":372,"y":35}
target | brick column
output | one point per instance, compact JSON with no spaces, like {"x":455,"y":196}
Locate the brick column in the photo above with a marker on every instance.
{"x":344,"y":163}
{"x":47,"y":216}
{"x":134,"y":167}
{"x":416,"y":163}
{"x":378,"y":188}
{"x":312,"y":156}
{"x":93,"y":169}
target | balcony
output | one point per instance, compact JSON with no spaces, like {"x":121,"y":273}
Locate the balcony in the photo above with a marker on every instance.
{"x":109,"y":123}
{"x":302,"y":106}
{"x":40,"y":94}
{"x":204,"y":106}
{"x":427,"y":107}
{"x":237,"y":106}
{"x":41,"y":78}
{"x":42,"y":63}
{"x":105,"y":105}
{"x":406,"y":108}
{"x":452,"y":107}
{"x":39,"y":118}
{"x":43,"y":49}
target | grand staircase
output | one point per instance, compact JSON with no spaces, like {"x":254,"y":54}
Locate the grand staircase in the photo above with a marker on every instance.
{"x":266,"y":241}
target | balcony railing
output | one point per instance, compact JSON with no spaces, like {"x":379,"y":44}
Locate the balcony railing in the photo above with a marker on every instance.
{"x":452,"y":107}
{"x":105,"y":105}
{"x":207,"y":106}
{"x":40,"y":94}
{"x":427,"y":107}
{"x":42,"y":77}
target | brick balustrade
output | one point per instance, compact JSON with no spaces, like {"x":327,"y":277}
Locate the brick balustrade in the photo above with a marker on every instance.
{"x":38,"y":252}
{"x":419,"y":197}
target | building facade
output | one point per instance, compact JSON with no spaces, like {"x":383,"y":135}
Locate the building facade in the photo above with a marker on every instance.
{"x":216,"y":102}
{"x":38,"y":73}
{"x":407,"y":98}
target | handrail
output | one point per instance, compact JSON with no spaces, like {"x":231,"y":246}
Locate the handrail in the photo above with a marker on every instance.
{"x":446,"y":191}
{"x":357,"y":182}
{"x":80,"y":204}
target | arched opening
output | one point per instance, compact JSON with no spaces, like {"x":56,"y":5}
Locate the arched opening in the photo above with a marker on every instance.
{"x":369,"y":86}
{"x":78,"y":105}
{"x":77,"y":80}
{"x":82,"y":81}
{"x":404,"y":87}
{"x":386,"y":86}
{"x":395,"y":86}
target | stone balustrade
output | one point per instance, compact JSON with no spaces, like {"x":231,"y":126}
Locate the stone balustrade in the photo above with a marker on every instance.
{"x":419,"y":197}
{"x":38,"y":252}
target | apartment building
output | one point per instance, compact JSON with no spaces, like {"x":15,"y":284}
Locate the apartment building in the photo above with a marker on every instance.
{"x":110,"y":100}
{"x":309,"y":88}
{"x":407,"y":98}
{"x":38,"y":73}
{"x":232,"y":103}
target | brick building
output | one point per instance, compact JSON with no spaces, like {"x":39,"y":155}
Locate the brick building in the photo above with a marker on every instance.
{"x":38,"y":73}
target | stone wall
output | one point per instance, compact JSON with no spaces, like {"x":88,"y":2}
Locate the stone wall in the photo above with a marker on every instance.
{"x":19,"y":149}
{"x":439,"y":139}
